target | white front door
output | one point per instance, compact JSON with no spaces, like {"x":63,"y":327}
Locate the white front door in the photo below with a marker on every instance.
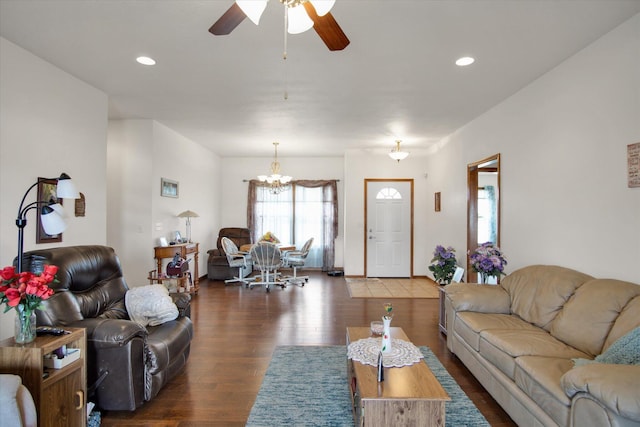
{"x":388,"y":228}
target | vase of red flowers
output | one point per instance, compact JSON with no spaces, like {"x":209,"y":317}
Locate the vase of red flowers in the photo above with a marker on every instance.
{"x":25,"y":327}
{"x":25,"y":292}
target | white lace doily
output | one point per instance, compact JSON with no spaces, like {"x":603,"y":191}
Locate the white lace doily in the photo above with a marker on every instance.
{"x":365,"y":351}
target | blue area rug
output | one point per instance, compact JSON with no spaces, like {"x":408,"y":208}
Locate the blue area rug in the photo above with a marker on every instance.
{"x":307,"y":386}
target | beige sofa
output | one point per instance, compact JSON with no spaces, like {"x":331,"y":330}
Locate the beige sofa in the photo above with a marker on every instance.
{"x":518,"y":339}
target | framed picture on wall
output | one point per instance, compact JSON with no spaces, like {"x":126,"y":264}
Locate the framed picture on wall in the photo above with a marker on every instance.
{"x":46,"y":195}
{"x":436,"y":202}
{"x":168,"y":188}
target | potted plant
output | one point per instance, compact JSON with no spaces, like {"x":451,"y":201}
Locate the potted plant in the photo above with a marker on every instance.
{"x":443,"y":264}
{"x":487,"y":260}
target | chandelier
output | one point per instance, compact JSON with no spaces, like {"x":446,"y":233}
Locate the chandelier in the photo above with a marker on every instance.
{"x":277,"y":183}
{"x":397,"y":154}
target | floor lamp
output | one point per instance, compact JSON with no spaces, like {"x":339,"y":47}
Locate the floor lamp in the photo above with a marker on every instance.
{"x":51,"y":214}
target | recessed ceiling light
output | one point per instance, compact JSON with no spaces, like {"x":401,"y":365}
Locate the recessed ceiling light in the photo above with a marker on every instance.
{"x":464,"y":61}
{"x":145,"y":60}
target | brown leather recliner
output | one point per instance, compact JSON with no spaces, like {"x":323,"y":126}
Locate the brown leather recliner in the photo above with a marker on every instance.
{"x":127,"y":364}
{"x":217,"y":264}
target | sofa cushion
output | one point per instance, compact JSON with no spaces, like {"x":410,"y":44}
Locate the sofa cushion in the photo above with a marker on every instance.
{"x":502,"y":346}
{"x":589,"y":315}
{"x":539,"y":377}
{"x":469,"y":324}
{"x":626,"y":321}
{"x":549,"y":286}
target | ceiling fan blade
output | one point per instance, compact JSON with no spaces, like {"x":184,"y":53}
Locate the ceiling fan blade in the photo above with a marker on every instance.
{"x":228,"y":21}
{"x":327,"y":28}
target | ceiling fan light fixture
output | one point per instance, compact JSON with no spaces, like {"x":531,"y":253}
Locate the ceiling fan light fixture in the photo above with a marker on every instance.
{"x":252,"y":8}
{"x":397,"y":154}
{"x":298,"y":20}
{"x":322,"y":6}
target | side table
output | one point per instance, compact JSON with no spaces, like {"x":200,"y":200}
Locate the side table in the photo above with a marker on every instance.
{"x":59,"y":394}
{"x":183,"y":249}
{"x":442,"y":318}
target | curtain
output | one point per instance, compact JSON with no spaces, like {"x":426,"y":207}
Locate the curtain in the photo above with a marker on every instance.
{"x":308,"y":209}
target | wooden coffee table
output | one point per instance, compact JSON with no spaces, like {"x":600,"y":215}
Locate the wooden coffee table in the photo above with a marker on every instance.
{"x":410,"y":395}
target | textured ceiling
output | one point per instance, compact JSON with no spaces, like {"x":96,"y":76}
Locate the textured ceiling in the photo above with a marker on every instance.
{"x":396,"y":80}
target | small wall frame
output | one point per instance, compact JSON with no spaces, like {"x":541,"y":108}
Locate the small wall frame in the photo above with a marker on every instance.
{"x":436,"y":201}
{"x":168,"y":188}
{"x":633,"y":165}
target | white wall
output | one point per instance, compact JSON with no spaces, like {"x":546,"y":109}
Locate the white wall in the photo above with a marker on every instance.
{"x":234,"y":190}
{"x":563,"y":142}
{"x":129,"y":225}
{"x":50,"y":122}
{"x":360,"y":165}
{"x":141,"y":152}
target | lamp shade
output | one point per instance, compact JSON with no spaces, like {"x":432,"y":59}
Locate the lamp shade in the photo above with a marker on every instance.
{"x":322,"y":7}
{"x":188,"y":214}
{"x":252,"y":8}
{"x":57,"y":207}
{"x":299,"y":21}
{"x":52,"y":222}
{"x":65,"y":188}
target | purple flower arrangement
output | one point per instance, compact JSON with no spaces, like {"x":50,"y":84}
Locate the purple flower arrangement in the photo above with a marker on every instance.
{"x":488,"y":260}
{"x":443,"y":264}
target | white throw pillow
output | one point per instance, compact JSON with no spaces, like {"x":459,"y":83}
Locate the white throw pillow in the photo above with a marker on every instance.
{"x":150,"y":305}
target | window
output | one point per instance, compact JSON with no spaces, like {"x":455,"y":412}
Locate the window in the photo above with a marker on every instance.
{"x":388,"y":193}
{"x":308,"y":209}
{"x":487,"y":224}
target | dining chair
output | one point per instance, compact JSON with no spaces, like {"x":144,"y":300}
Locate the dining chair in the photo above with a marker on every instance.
{"x":267,"y":257}
{"x":236,"y":259}
{"x":295,"y":259}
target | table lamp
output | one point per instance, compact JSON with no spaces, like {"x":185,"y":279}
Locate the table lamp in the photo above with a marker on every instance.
{"x":188,"y":215}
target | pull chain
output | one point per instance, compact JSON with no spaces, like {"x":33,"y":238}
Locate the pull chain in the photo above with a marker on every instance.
{"x":284,"y":54}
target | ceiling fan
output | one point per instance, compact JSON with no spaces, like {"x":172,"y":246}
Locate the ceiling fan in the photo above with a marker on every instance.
{"x":315,"y":14}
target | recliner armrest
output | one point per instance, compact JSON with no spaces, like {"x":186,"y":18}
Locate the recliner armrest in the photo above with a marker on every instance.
{"x":107,"y":333}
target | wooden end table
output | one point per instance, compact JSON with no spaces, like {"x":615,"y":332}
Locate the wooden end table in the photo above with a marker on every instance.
{"x":184,"y":249}
{"x":60,"y":395}
{"x":410,"y":395}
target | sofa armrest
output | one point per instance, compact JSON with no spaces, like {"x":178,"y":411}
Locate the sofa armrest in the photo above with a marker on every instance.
{"x":614,"y":386}
{"x":479,"y":298}
{"x":215,"y":252}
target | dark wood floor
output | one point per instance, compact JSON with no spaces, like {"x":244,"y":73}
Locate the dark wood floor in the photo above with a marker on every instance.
{"x":237,"y":329}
